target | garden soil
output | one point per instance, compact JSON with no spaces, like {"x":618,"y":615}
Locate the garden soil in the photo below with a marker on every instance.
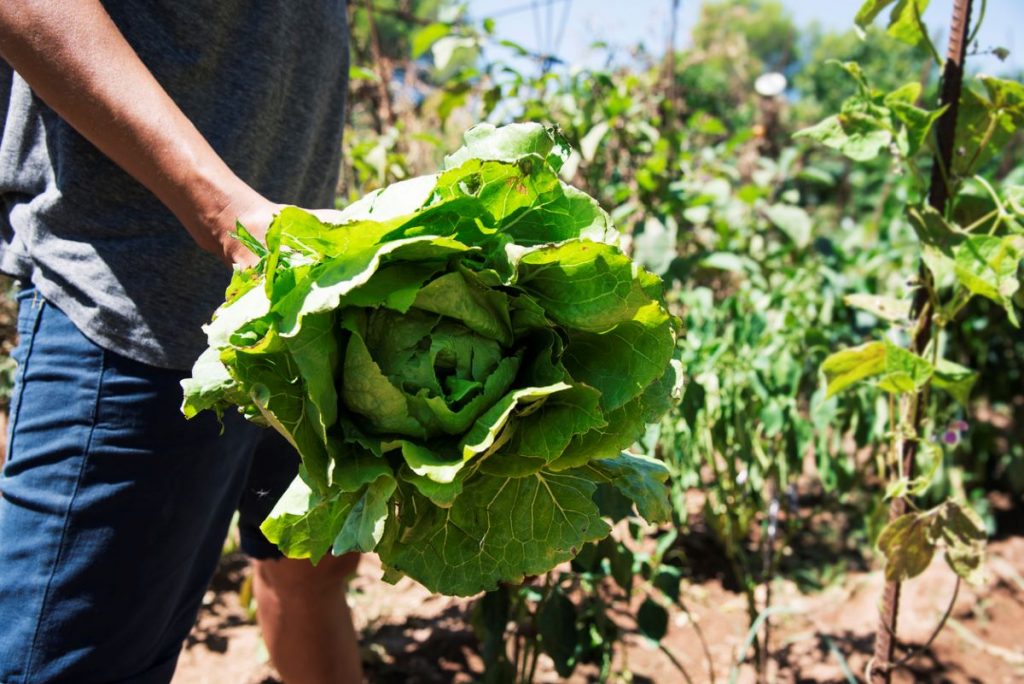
{"x":411,"y":636}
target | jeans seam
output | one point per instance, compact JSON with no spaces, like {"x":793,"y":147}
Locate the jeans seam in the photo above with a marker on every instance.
{"x":67,"y":511}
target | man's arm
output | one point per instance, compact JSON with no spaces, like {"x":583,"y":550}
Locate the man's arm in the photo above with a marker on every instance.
{"x":76,"y":60}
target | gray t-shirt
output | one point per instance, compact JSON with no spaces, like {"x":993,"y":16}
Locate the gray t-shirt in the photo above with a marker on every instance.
{"x":263,"y":81}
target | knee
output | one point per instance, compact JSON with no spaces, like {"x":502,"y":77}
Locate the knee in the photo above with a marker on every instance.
{"x":289,"y":574}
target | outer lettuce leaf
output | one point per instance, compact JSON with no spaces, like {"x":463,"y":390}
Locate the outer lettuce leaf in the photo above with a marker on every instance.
{"x":640,"y":479}
{"x":209,"y":387}
{"x":497,"y":530}
{"x":305,"y":524}
{"x":508,"y":143}
{"x":597,"y":359}
{"x":586,"y":285}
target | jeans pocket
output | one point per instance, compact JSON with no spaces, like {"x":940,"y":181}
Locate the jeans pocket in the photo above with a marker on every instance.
{"x":30,"y":304}
{"x":30,"y":307}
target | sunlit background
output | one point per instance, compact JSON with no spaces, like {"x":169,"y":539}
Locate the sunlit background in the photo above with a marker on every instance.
{"x":568,"y":28}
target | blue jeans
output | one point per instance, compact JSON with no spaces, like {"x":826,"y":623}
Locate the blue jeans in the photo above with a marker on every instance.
{"x":115,"y":508}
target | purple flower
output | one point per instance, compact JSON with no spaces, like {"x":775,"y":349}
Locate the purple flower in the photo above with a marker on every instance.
{"x":951,"y":437}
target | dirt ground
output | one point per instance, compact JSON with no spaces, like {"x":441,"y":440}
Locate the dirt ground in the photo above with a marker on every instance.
{"x":409,"y":635}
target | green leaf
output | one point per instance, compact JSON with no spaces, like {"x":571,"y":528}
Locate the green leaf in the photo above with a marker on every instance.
{"x":904,"y":23}
{"x":897,"y":489}
{"x":275,"y":388}
{"x":482,"y":310}
{"x":985,"y":124}
{"x":558,"y":634}
{"x":509,"y":143}
{"x":453,"y":54}
{"x":358,"y":73}
{"x":640,"y":479}
{"x":934,"y":230}
{"x":315,"y":353}
{"x":249,"y":240}
{"x":303,"y":525}
{"x":929,"y":459}
{"x":846,"y":367}
{"x":497,"y":530}
{"x":859,"y":139}
{"x":546,"y":432}
{"x":209,"y":386}
{"x":364,"y":525}
{"x":426,"y":36}
{"x":625,"y":426}
{"x":918,"y":123}
{"x":369,"y":393}
{"x":395,"y":286}
{"x":793,"y":221}
{"x":869,"y":11}
{"x":251,"y":306}
{"x":597,"y":358}
{"x":904,"y":371}
{"x":987,"y":266}
{"x":586,"y":285}
{"x":955,"y":379}
{"x":325,"y":286}
{"x":652,"y":619}
{"x":482,"y":435}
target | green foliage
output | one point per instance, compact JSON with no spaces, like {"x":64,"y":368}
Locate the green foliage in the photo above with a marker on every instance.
{"x":773,"y":254}
{"x":904,"y":24}
{"x":459,"y":362}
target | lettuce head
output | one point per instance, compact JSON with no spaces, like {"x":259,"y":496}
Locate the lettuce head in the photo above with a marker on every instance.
{"x":461,"y":362}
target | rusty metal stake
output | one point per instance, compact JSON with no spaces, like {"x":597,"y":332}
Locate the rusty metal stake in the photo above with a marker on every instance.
{"x":952,"y":81}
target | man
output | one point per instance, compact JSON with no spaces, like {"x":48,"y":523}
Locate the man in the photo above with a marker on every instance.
{"x":134,"y":134}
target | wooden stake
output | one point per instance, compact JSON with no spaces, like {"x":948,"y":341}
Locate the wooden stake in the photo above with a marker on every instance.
{"x":952,"y":82}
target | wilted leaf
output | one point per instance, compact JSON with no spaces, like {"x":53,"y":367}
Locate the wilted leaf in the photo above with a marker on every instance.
{"x":964,"y":535}
{"x":886,"y":308}
{"x":908,"y":544}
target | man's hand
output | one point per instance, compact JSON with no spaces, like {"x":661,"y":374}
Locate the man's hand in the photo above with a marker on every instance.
{"x":256,"y":216}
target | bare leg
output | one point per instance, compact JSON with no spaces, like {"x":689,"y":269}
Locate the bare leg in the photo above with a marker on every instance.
{"x":306,"y":621}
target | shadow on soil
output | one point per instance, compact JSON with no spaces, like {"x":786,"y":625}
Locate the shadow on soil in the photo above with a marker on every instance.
{"x":423,"y":651}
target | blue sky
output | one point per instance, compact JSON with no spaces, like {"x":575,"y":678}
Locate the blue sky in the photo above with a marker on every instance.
{"x":627,"y":22}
